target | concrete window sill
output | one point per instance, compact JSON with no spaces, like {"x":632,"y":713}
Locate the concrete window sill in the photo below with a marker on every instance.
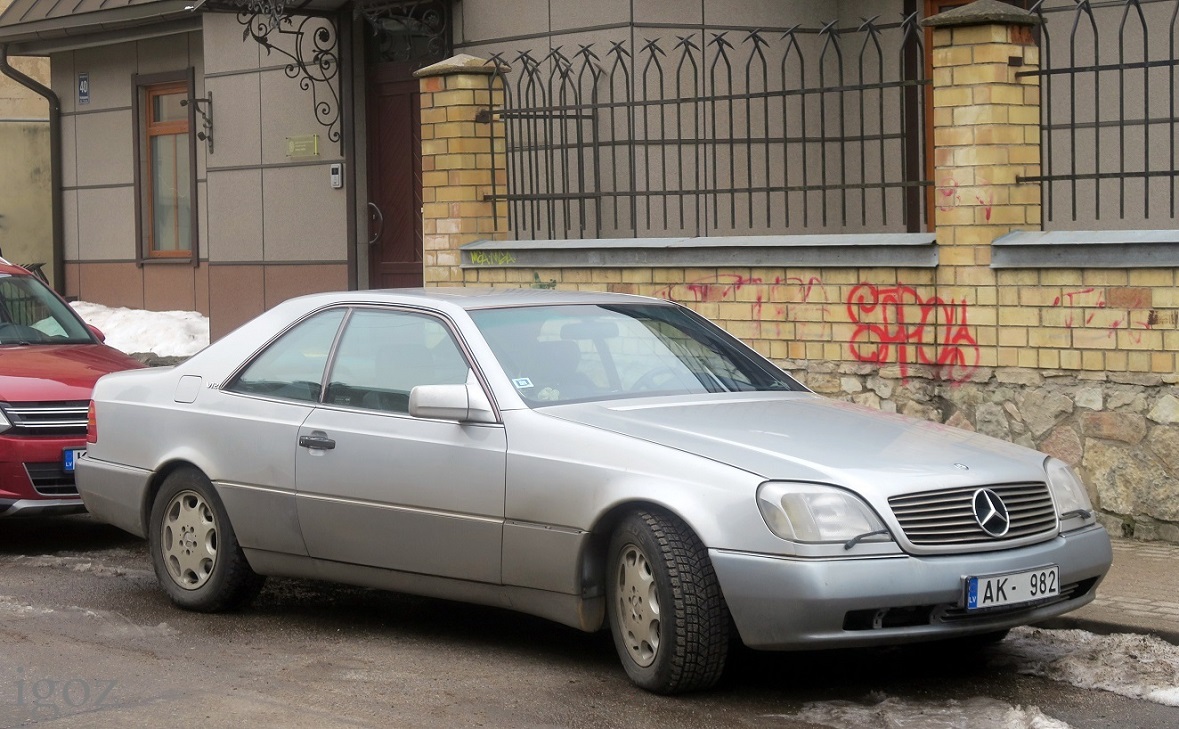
{"x":904,"y":250}
{"x":1087,"y":249}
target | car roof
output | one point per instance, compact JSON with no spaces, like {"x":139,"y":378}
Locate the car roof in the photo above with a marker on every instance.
{"x":482,"y":298}
{"x":13,"y":269}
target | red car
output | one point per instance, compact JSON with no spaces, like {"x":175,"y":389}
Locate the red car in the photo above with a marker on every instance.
{"x":49,"y":362}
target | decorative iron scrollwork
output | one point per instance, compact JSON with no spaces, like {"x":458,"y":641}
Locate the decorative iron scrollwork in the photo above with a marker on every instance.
{"x":417,"y":30}
{"x":204,"y":109}
{"x":314,"y":58}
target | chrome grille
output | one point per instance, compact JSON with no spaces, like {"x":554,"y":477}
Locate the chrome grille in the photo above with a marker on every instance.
{"x":946,"y":517}
{"x":47,"y":418}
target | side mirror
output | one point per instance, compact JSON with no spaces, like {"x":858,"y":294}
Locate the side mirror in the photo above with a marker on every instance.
{"x":465,"y":403}
{"x":97,"y":332}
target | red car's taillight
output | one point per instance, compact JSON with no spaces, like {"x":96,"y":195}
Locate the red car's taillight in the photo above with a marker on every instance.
{"x":91,"y":425}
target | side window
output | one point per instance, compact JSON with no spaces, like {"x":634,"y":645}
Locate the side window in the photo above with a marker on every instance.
{"x":385,"y":354}
{"x":292,"y":367}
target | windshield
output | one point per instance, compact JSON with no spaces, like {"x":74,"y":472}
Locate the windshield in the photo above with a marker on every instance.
{"x":32,"y":314}
{"x":576,"y":353}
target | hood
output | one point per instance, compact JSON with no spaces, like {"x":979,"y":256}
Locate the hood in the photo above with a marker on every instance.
{"x":35,"y":372}
{"x":803,"y":436}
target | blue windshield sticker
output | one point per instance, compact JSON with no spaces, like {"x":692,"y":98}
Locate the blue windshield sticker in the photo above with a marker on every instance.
{"x":522,"y":383}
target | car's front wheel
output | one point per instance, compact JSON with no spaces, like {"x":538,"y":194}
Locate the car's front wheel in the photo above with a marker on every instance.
{"x":194,"y":550}
{"x":666,"y":611}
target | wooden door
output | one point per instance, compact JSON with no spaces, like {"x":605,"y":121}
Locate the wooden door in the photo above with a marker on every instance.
{"x":395,"y":177}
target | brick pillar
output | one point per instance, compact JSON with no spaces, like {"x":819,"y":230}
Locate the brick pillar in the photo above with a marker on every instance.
{"x":986,"y":133}
{"x":462,"y":158}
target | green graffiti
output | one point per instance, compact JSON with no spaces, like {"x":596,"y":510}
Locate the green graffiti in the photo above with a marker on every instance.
{"x":494,"y":258}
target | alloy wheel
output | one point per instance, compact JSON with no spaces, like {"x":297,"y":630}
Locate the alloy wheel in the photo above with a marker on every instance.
{"x":189,"y":540}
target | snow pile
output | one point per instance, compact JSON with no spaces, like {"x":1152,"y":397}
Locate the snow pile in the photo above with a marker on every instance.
{"x":976,"y":713}
{"x":1141,"y":667}
{"x":162,"y":333}
{"x":1128,"y":664}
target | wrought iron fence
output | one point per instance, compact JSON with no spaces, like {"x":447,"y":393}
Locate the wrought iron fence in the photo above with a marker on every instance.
{"x":1108,"y":98}
{"x":724,"y":133}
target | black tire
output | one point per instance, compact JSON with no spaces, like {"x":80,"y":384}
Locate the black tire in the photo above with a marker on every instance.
{"x":666,"y":611}
{"x":194,"y":550}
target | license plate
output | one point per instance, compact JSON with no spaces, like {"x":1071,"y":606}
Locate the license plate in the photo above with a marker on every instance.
{"x":69,"y":458}
{"x":1012,"y":588}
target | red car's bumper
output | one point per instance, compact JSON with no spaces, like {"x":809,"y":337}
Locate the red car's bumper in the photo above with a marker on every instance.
{"x":34,"y":478}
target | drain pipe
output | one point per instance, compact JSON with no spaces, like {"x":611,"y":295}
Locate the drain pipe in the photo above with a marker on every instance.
{"x":54,"y":161}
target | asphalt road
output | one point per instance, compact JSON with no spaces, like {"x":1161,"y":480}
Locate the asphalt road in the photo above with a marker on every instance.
{"x":88,"y":640}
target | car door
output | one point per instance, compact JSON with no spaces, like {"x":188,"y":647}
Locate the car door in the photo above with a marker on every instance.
{"x":378,"y":487}
{"x":252,"y":427}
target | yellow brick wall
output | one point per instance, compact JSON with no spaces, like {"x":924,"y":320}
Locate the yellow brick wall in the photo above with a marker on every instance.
{"x":462,"y":163}
{"x":954,"y":321}
{"x":1119,"y":320}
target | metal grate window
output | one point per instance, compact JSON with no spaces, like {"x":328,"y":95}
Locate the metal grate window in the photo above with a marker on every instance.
{"x":725,"y":132}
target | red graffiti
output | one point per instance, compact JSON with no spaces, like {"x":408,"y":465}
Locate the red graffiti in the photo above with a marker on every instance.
{"x":894,"y":324}
{"x":1083,"y":297}
{"x":724,"y":287}
{"x":950,"y":197}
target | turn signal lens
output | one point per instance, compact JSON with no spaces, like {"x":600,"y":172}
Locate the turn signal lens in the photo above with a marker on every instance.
{"x":1072,"y":500}
{"x":91,"y":425}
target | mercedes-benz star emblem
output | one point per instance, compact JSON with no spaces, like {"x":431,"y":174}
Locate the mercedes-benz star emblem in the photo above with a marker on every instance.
{"x":990,"y":513}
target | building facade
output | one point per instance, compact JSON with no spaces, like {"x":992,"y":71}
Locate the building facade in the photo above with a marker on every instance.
{"x":962,"y":212}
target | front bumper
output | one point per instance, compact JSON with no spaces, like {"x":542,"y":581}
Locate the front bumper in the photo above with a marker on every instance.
{"x":792,"y":604}
{"x":33,"y":478}
{"x":37,"y":507}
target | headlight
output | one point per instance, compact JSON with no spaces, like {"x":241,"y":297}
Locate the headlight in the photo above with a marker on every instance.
{"x":804,"y":512}
{"x":4,"y":424}
{"x":1072,"y":500}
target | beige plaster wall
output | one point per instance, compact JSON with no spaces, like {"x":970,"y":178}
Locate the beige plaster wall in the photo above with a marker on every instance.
{"x":26,"y":232}
{"x":266,"y":207}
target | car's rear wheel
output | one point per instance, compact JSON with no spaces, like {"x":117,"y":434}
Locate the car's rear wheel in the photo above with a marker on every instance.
{"x":666,"y":611}
{"x":194,"y":550}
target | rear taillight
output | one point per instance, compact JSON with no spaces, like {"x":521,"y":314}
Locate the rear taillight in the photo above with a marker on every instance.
{"x":91,"y":425}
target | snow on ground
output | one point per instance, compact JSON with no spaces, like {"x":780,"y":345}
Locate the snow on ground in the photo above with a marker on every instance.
{"x":1140,"y":667}
{"x":975,"y":713}
{"x":162,"y":333}
{"x":1128,"y":664}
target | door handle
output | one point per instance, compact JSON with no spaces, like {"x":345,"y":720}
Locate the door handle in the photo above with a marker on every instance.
{"x":318,"y":440}
{"x":380,"y":218}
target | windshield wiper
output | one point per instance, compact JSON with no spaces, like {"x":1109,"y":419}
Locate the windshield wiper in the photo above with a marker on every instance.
{"x":856,"y":540}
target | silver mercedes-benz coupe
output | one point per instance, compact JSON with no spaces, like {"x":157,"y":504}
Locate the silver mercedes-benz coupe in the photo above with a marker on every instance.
{"x":595,"y":459}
